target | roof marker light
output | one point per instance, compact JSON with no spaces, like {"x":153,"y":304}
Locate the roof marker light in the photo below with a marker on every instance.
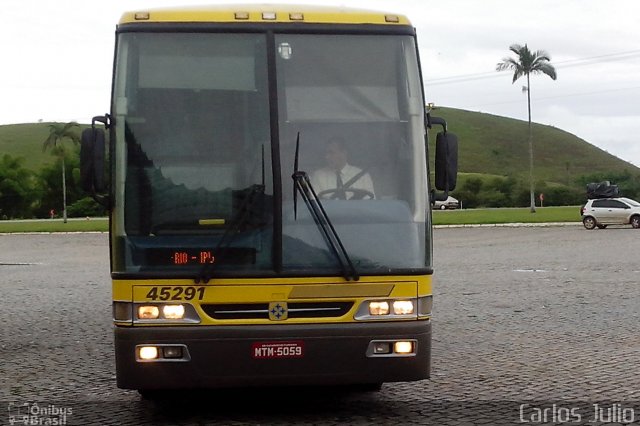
{"x":392,"y":18}
{"x":269,"y":16}
{"x":296,"y":16}
{"x":241,"y":15}
{"x":141,"y":16}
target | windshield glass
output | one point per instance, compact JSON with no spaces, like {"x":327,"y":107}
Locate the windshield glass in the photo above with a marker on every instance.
{"x":194,"y":181}
{"x":355,"y":105}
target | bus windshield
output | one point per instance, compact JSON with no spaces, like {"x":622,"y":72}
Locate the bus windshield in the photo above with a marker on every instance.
{"x":205,"y":148}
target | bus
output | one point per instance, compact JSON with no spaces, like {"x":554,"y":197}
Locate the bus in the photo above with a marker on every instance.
{"x":230,"y":267}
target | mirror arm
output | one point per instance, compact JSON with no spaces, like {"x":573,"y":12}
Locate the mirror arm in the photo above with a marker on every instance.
{"x":106,"y":119}
{"x":437,"y":121}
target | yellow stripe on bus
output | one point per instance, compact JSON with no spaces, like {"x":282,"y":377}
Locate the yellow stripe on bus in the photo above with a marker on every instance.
{"x":293,"y":288}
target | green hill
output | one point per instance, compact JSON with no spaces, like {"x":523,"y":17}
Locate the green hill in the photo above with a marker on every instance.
{"x":488,"y":145}
{"x":25,"y":140}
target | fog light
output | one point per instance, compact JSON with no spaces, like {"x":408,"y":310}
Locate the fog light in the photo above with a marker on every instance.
{"x":403,"y":307}
{"x":148,"y":312}
{"x":403,"y":347}
{"x":172,"y":352}
{"x":148,"y":352}
{"x":379,"y":308}
{"x":173,"y":311}
{"x":382,"y":347}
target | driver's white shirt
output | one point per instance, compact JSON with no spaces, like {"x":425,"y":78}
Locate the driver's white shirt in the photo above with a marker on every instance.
{"x":325,"y":178}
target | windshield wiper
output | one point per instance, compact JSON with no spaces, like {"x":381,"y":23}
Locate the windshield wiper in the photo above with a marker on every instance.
{"x":244,"y":216}
{"x":302,"y":185}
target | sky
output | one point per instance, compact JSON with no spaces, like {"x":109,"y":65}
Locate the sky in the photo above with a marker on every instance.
{"x":57,"y":59}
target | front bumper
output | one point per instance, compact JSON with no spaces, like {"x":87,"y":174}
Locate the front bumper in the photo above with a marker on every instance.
{"x":222,"y":356}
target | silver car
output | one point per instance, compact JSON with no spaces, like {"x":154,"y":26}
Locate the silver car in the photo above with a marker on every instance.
{"x":450,"y":203}
{"x":600,"y":212}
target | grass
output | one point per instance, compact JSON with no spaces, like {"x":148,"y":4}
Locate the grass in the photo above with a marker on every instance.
{"x":54,"y":225}
{"x":507,"y":215}
{"x":446,"y":217}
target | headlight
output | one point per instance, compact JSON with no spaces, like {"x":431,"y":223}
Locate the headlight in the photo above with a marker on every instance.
{"x":173,"y":311}
{"x":148,"y":312}
{"x":390,"y":309}
{"x":379,"y":308}
{"x":159,"y":313}
{"x":403,"y":307}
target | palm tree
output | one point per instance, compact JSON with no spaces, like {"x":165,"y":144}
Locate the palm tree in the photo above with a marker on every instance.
{"x":528,"y":63}
{"x":57,"y":133}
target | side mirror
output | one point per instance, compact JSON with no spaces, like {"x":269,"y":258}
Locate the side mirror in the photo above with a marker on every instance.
{"x":92,"y":160}
{"x":446,"y":165}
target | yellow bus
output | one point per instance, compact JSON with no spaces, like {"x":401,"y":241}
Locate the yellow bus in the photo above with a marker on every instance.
{"x":269,"y":197}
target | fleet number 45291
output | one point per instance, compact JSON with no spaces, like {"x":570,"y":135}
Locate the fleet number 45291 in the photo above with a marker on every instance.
{"x":176,"y":293}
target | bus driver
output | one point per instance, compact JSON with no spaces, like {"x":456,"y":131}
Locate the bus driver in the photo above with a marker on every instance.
{"x":339,"y":179}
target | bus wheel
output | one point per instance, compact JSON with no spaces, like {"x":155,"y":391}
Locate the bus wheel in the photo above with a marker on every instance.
{"x":151,"y":394}
{"x":368,"y":387}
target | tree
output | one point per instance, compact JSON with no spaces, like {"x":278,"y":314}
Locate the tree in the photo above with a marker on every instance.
{"x":18,"y":190}
{"x":51,"y":185}
{"x":525,"y":64}
{"x":58,"y":132}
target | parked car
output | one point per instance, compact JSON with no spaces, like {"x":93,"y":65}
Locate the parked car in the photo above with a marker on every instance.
{"x":449,"y":203}
{"x":601,"y":212}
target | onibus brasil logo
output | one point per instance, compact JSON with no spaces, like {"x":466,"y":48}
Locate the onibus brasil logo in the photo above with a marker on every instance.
{"x":29,"y":413}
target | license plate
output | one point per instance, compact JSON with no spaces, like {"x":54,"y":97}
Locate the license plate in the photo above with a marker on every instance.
{"x":268,"y":350}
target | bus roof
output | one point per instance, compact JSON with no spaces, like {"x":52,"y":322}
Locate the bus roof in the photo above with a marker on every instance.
{"x":264,"y":13}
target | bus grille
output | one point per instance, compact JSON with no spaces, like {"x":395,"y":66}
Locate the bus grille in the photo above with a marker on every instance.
{"x":234,"y":311}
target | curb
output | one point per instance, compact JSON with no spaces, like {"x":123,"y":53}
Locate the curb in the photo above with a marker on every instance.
{"x":468,"y":225}
{"x":510,"y":225}
{"x":54,"y":233}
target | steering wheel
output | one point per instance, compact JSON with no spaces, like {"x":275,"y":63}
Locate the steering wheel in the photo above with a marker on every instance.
{"x":358,"y":194}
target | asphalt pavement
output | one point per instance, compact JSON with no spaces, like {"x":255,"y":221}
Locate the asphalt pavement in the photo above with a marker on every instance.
{"x":531,"y":325}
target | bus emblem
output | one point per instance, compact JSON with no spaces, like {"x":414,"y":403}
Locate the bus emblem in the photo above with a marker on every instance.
{"x":278,"y":311}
